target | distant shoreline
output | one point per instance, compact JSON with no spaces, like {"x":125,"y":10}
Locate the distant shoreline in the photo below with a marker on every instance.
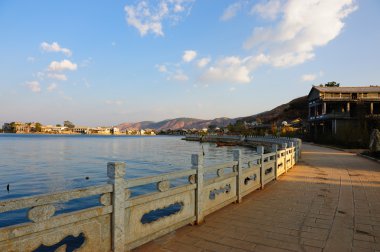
{"x":74,"y":134}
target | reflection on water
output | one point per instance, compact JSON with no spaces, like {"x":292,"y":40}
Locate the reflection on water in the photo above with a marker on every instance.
{"x":35,"y":164}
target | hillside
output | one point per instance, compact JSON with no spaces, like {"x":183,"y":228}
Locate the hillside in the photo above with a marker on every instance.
{"x":296,"y":108}
{"x":177,"y":123}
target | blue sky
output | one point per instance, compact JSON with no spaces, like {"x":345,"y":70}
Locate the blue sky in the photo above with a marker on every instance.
{"x":107,"y":62}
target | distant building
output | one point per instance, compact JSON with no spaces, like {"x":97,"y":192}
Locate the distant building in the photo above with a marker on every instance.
{"x":337,"y":111}
{"x":99,"y":131}
{"x":53,"y":129}
{"x":19,"y":127}
{"x":115,"y":131}
{"x":81,"y":129}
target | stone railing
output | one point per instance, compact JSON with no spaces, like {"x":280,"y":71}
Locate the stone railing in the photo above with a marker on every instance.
{"x":122,"y":222}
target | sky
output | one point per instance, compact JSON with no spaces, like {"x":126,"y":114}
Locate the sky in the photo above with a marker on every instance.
{"x":107,"y":62}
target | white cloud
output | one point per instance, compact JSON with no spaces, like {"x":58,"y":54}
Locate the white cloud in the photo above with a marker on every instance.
{"x":34,"y":86}
{"x":162,"y":68}
{"x":147,"y":18}
{"x":232,"y":89}
{"x":189,"y":55}
{"x":231,"y":11}
{"x":114,"y":102}
{"x":56,"y":76}
{"x":203,"y":62}
{"x":296,"y":29}
{"x":55,"y":47}
{"x":178,"y":8}
{"x":308,"y":77}
{"x":52,"y":87}
{"x":268,"y":10}
{"x":179,"y":77}
{"x":228,"y":70}
{"x":304,"y":26}
{"x":63,"y":65}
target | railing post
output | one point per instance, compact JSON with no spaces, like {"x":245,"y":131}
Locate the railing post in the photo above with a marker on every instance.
{"x":284,"y":146}
{"x":274,"y":149}
{"x":260,"y":151}
{"x":239,"y":186}
{"x":292,"y":161}
{"x":197,"y":163}
{"x":116,"y":173}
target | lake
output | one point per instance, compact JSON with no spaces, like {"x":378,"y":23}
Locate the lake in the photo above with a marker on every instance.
{"x":36,"y":164}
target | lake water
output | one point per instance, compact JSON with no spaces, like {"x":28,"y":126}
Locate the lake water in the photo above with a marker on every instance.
{"x":36,"y":164}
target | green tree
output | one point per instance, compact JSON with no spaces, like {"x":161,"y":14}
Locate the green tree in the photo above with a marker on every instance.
{"x":13,"y":127}
{"x":38,"y":127}
{"x":68,"y":124}
{"x":332,"y":84}
{"x":58,"y":125}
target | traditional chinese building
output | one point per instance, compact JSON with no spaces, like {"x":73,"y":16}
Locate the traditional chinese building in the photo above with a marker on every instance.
{"x":339,"y":112}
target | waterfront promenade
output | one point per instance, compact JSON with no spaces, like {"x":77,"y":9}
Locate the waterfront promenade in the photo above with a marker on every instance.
{"x":330,"y":201}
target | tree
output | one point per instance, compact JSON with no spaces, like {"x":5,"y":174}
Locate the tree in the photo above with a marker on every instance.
{"x":38,"y":127}
{"x":58,"y":125}
{"x":13,"y":127}
{"x":332,"y":84}
{"x":68,"y":124}
{"x":258,"y":120}
{"x":274,"y":129}
{"x":212,"y":127}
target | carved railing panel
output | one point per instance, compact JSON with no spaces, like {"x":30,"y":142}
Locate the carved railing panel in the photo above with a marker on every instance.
{"x":280,"y":165}
{"x":220,"y":193}
{"x":250,"y":180}
{"x":268,"y":172}
{"x":139,"y":230}
{"x":86,"y":230}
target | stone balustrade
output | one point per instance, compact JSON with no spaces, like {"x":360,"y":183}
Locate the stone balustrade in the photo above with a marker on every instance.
{"x":122,"y":222}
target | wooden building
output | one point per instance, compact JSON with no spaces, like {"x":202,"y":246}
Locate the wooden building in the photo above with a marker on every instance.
{"x":338,"y":112}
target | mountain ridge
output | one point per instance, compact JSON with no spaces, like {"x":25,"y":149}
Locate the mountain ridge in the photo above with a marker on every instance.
{"x":296,"y":108}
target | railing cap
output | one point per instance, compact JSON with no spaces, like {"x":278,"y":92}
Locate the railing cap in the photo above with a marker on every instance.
{"x":116,"y":170}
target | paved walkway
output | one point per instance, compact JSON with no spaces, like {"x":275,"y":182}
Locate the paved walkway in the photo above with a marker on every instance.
{"x":330,"y":201}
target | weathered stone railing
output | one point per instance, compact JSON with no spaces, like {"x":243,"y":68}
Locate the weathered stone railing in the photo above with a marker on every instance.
{"x":123,"y":222}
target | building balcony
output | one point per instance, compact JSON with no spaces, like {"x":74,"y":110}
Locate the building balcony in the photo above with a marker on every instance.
{"x":350,"y":99}
{"x":341,"y":115}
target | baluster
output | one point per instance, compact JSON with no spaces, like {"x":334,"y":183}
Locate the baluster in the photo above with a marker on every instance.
{"x":284,"y":146}
{"x":274,"y":149}
{"x":197,"y":163}
{"x":116,"y":173}
{"x":260,"y":151}
{"x":239,"y":182}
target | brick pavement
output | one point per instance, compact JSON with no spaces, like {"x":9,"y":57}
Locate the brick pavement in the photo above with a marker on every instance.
{"x":330,"y":201}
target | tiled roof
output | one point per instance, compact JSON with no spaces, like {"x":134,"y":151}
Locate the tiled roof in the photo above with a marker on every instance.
{"x":371,"y":89}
